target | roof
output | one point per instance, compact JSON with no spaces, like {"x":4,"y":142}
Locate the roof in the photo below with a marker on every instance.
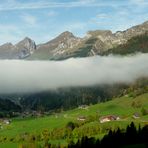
{"x":81,"y":118}
{"x":110,"y":117}
{"x":136,"y":114}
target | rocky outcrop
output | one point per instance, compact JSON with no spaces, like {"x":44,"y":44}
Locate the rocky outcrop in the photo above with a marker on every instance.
{"x":60,"y":46}
{"x":26,"y":47}
{"x":106,"y":39}
{"x":20,"y":50}
{"x":8,"y":51}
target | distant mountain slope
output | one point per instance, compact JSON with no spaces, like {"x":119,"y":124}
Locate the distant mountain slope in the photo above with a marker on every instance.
{"x":57,"y":47}
{"x":98,"y":42}
{"x":26,"y":47}
{"x":135,"y":44}
{"x":8,"y":51}
{"x":18,"y":51}
{"x":68,"y":98}
{"x":67,"y":45}
{"x":94,"y":43}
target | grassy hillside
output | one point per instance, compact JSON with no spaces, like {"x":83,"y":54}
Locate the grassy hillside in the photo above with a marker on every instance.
{"x":56,"y":124}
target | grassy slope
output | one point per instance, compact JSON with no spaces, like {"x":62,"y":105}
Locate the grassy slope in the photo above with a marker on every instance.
{"x":118,"y":106}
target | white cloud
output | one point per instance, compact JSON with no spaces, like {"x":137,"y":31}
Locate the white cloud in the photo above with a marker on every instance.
{"x":75,"y":26}
{"x":98,"y":18}
{"x":121,"y":18}
{"x":139,"y":2}
{"x":15,"y":5}
{"x":52,"y":13}
{"x":34,"y":76}
{"x":7,"y":27}
{"x":102,"y":16}
{"x":29,"y":19}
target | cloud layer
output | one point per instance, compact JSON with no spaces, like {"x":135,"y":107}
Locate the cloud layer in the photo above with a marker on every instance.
{"x":41,"y":4}
{"x":33,"y":76}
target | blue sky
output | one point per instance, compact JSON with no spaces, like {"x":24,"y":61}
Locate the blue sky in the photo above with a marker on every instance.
{"x":43,"y":20}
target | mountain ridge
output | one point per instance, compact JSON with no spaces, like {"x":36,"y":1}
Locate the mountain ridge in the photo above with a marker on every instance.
{"x":67,"y":45}
{"x":20,"y":50}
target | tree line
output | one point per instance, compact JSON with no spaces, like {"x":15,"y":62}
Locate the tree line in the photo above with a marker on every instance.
{"x":116,"y":139}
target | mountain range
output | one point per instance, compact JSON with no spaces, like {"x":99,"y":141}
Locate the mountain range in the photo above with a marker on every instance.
{"x":66,"y":45}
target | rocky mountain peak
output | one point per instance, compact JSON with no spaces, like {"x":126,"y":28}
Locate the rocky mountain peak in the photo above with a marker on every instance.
{"x":8,"y":44}
{"x":67,"y":34}
{"x":63,"y":37}
{"x":67,"y":45}
{"x":25,"y":47}
{"x":60,"y":45}
{"x":26,"y":40}
{"x":133,"y":31}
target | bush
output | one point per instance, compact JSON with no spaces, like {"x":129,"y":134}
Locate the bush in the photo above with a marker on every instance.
{"x":144,"y":111}
{"x":136,"y":104}
{"x":71,"y":125}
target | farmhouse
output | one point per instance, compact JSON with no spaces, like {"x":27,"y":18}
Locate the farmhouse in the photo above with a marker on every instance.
{"x":136,"y":115}
{"x":108,"y":118}
{"x":83,"y":107}
{"x":81,"y":118}
{"x":5,"y":121}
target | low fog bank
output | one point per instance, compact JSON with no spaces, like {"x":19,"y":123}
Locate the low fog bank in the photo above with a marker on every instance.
{"x":18,"y":76}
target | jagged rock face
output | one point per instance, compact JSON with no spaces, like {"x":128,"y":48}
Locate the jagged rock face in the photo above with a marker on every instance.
{"x":66,"y":41}
{"x":25,"y":47}
{"x":106,"y":39}
{"x":67,"y":45}
{"x":133,"y":31}
{"x":56,"y":47}
{"x":7,"y":51}
{"x":21,"y":50}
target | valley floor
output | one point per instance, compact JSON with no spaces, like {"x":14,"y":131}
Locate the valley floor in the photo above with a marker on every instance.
{"x":73,"y":124}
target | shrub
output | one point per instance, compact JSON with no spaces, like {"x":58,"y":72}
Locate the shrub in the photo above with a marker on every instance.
{"x":144,"y":111}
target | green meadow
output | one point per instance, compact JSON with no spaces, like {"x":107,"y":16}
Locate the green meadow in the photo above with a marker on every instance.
{"x":124,"y":107}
